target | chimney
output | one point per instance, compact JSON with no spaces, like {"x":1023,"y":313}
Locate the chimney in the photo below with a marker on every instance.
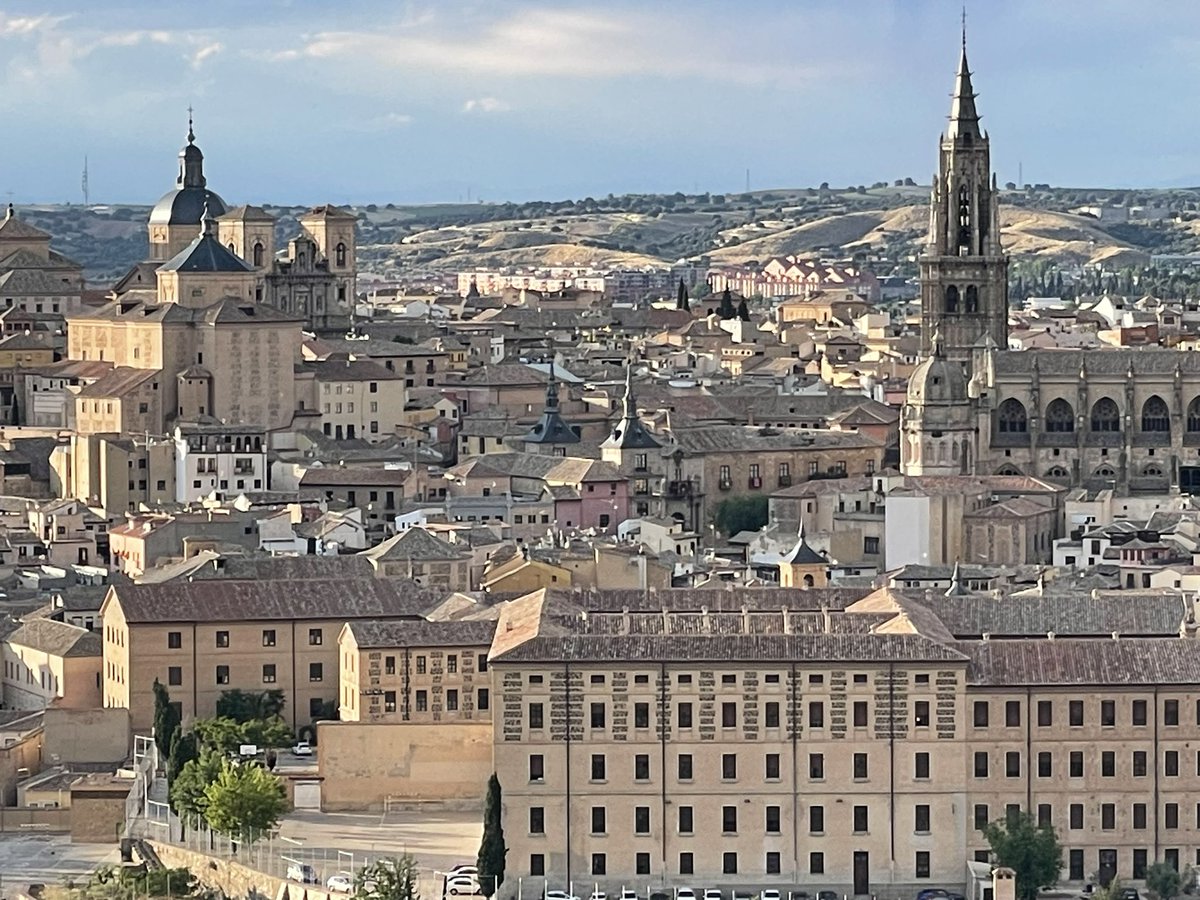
{"x":826,"y":621}
{"x":1004,"y":884}
{"x":787,"y":621}
{"x":1050,"y":635}
{"x":625,"y":620}
{"x":745,"y":619}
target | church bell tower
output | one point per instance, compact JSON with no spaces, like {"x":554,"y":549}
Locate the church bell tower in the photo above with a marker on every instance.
{"x":964,"y":272}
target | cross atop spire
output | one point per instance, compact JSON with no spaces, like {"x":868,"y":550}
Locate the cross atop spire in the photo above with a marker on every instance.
{"x":964,"y":118}
{"x":964,"y":28}
{"x":191,"y":137}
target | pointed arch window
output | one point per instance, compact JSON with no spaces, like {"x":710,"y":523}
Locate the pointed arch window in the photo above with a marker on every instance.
{"x":1193,"y":415}
{"x":1011,"y":417}
{"x":964,"y":221}
{"x":972,"y":298}
{"x":1106,"y":416}
{"x":952,"y":299}
{"x":1060,"y":418}
{"x":1155,"y":416}
{"x":340,"y":255}
{"x":1056,"y":472}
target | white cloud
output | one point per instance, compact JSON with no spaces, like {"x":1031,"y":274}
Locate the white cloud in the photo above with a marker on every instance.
{"x":205,"y":52}
{"x":486,"y":105}
{"x":392,"y":120}
{"x":17,"y":26}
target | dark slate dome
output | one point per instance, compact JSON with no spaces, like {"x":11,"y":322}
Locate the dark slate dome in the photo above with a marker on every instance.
{"x":185,"y":206}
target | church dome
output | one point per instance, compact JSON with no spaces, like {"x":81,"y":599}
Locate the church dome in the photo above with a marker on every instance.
{"x":937,"y":381}
{"x":185,"y":206}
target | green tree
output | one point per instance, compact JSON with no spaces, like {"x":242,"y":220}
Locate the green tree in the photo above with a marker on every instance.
{"x":743,"y":311}
{"x":1164,"y":880}
{"x":390,"y":878}
{"x":166,"y":720}
{"x":1030,"y":850}
{"x":186,"y":792}
{"x":492,"y":849}
{"x":183,"y":751}
{"x":748,"y":513}
{"x":681,"y":296}
{"x":245,"y":801}
{"x":227,"y":735}
{"x":243,"y":706}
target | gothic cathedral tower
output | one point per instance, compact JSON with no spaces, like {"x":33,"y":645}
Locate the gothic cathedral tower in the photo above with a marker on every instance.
{"x":964,"y":273}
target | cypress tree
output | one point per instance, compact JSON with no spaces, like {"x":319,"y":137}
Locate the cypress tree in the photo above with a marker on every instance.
{"x":727,"y":311}
{"x":166,"y":721}
{"x":492,"y":849}
{"x":743,"y":311}
{"x":681,"y":296}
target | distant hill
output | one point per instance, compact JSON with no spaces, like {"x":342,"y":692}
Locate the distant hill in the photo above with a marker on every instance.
{"x":885,"y":224}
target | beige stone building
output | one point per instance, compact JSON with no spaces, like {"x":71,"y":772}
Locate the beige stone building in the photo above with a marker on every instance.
{"x":420,"y":672}
{"x":354,"y":398}
{"x":201,"y":638}
{"x":839,"y":741}
{"x":52,"y":663}
{"x":423,"y":557}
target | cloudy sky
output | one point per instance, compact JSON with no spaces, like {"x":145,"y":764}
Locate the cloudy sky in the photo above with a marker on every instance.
{"x":299,"y":101}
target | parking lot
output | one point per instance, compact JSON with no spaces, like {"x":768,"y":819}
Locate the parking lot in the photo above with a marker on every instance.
{"x":48,"y":859}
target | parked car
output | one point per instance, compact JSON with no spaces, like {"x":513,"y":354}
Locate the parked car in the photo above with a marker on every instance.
{"x":463,"y":884}
{"x":341,"y":883}
{"x":685,"y":894}
{"x":769,"y":894}
{"x":560,"y":895}
{"x":303,"y":873}
{"x":302,"y":748}
{"x":1130,"y":894}
{"x":712,"y":894}
{"x":598,"y":895}
{"x":628,"y":894}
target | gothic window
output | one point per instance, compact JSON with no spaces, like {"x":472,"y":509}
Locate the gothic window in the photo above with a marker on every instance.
{"x":1060,"y":417}
{"x":1193,"y":415}
{"x":1011,"y":418}
{"x":964,"y":221}
{"x":1156,"y":416}
{"x":1008,"y":469}
{"x":1106,"y":416}
{"x":258,"y":254}
{"x":972,"y":299}
{"x":952,"y":299}
{"x":1105,"y":471}
{"x":340,"y":254}
{"x":1056,"y":472}
{"x":1154,"y":470}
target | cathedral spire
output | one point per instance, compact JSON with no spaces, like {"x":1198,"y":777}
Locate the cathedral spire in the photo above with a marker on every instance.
{"x":191,"y":160}
{"x":964,"y":118}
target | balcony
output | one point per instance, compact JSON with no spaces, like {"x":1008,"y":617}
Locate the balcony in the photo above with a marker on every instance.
{"x":785,"y":481}
{"x":679,"y":490}
{"x":725,"y":484}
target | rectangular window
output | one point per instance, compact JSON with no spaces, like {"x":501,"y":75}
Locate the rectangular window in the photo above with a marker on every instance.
{"x":728,"y":715}
{"x":420,"y":665}
{"x":1075,"y":865}
{"x":772,"y":767}
{"x":922,"y":864}
{"x":1076,"y":816}
{"x":597,"y":715}
{"x":174,"y":640}
{"x":685,"y":767}
{"x":222,"y":638}
{"x":816,"y":766}
{"x":268,"y":673}
{"x":537,"y":864}
{"x":860,"y":820}
{"x":1076,"y":764}
{"x":1075,"y":713}
{"x":773,"y":862}
{"x":175,"y":675}
{"x":1108,"y":816}
{"x":729,"y":766}
{"x":816,"y":714}
{"x":389,"y":701}
{"x":1012,"y":713}
{"x":1045,"y":713}
{"x":536,"y":716}
{"x":684,"y":718}
{"x":422,"y":701}
{"x":1139,"y":713}
{"x":860,"y":765}
{"x":1139,"y":815}
{"x":1139,"y":763}
{"x":729,"y":863}
{"x":921,"y":765}
{"x":981,"y":816}
{"x":315,"y":637}
{"x":981,"y":714}
{"x":268,"y":637}
{"x":729,"y":819}
{"x":641,"y":864}
{"x":641,"y":715}
{"x":860,"y":713}
{"x":772,"y":820}
{"x":816,"y":819}
{"x":537,"y":820}
{"x":452,"y":700}
{"x":1045,"y":815}
{"x":598,"y":767}
{"x":816,"y":863}
{"x":1139,"y":863}
{"x":921,"y":818}
{"x":685,"y":820}
{"x":771,"y":715}
{"x":599,"y":820}
{"x":641,"y":820}
{"x":921,"y":713}
{"x":641,"y":767}
{"x":686,"y":865}
{"x":1045,"y":764}
{"x":599,"y":864}
{"x":981,"y":764}
{"x":316,"y":671}
{"x":1108,"y":713}
{"x":537,"y":767}
{"x":1012,"y":764}
{"x":1171,"y":763}
{"x":1171,"y":712}
{"x":1108,"y":764}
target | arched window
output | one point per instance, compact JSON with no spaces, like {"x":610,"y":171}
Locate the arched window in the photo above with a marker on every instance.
{"x":952,"y":299}
{"x":972,"y":299}
{"x":258,"y":254}
{"x":231,"y":250}
{"x":1154,"y":470}
{"x":1106,"y":416}
{"x":1156,"y":416}
{"x":1105,"y":471}
{"x":1060,"y":418}
{"x":1008,"y":469}
{"x":1193,"y":415}
{"x":1056,"y":472}
{"x":808,"y":581}
{"x":340,"y":254}
{"x":1011,"y":418}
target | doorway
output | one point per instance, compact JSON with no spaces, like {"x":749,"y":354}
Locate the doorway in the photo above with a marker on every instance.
{"x":862,"y":872}
{"x":1107,"y":869}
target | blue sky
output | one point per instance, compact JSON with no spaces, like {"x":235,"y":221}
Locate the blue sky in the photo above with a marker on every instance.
{"x":354,"y":101}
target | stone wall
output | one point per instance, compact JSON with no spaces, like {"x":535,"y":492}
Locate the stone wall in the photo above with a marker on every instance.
{"x":233,"y":878}
{"x":86,"y":735}
{"x":361,"y":763}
